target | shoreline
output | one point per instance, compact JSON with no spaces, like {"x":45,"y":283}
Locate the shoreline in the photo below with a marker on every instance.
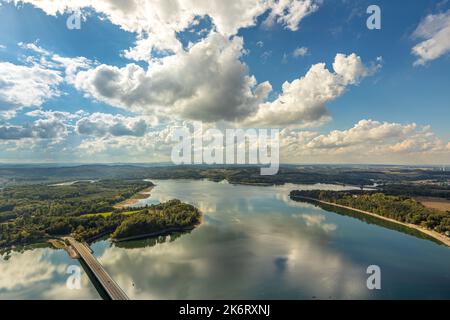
{"x":153,"y":234}
{"x":141,"y":195}
{"x":435,"y":235}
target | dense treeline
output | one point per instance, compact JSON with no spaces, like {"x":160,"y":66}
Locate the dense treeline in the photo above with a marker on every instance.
{"x":234,"y":174}
{"x":31,"y":213}
{"x":168,"y":216}
{"x":400,"y":208}
{"x":73,"y":200}
{"x":156,"y":218}
{"x":36,"y":229}
{"x":410,"y":190}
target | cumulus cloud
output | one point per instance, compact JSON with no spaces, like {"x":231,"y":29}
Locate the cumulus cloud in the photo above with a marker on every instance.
{"x":53,"y":126}
{"x":155,"y":145}
{"x":216,"y":86}
{"x":15,"y":132}
{"x":26,"y":86}
{"x":434,"y":30}
{"x":103,"y":124}
{"x":365,"y":131}
{"x":157,"y":22}
{"x":368,"y":141}
{"x":37,"y":80}
{"x":303,"y":101}
{"x":60,"y":115}
{"x":49,"y":128}
{"x":208,"y":82}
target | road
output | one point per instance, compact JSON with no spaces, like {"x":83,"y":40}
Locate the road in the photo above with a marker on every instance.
{"x":109,"y":285}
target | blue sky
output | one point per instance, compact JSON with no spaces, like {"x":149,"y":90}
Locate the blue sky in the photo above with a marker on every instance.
{"x":401,"y":106}
{"x":388,"y":96}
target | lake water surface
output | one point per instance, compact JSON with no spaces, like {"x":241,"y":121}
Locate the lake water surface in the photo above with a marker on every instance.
{"x":254,"y":243}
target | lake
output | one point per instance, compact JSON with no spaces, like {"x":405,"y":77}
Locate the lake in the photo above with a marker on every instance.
{"x":254,"y":243}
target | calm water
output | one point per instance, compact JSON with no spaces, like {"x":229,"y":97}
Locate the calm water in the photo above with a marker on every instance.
{"x":254,"y":243}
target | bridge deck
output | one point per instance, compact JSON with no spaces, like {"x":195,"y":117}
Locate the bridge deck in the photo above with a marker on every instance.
{"x":109,"y":285}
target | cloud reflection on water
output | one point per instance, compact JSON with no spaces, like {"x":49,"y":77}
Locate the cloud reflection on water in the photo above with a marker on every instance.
{"x":238,"y":253}
{"x":40,"y":274}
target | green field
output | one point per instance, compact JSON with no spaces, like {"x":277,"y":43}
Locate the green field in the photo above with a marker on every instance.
{"x":108,"y":214}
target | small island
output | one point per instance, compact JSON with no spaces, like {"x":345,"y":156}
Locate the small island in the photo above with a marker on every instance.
{"x":172,"y":216}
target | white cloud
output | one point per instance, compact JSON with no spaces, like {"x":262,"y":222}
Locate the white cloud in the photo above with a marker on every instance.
{"x":368,"y":141}
{"x":50,"y":126}
{"x":34,"y":47}
{"x":290,"y":13}
{"x":351,"y":69}
{"x":208,"y":82}
{"x":37,"y":80}
{"x":60,"y":115}
{"x":49,"y":60}
{"x":153,"y":16}
{"x":103,"y":124}
{"x":26,"y":86}
{"x":71,"y":66}
{"x":300,"y":52}
{"x":216,"y":86}
{"x":435,"y":32}
{"x":144,"y":47}
{"x":153,"y":146}
{"x":157,"y":22}
{"x":365,"y":131}
{"x":302,"y":102}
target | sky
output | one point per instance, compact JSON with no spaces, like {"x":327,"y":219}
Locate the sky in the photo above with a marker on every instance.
{"x":114,"y":89}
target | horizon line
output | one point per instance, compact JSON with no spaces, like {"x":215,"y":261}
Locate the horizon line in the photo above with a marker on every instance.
{"x":213,"y":165}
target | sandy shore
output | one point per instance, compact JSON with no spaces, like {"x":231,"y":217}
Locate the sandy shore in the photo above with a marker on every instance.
{"x":436,"y":235}
{"x":144,"y":194}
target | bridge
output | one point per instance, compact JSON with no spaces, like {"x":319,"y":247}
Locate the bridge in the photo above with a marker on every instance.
{"x":111,"y":288}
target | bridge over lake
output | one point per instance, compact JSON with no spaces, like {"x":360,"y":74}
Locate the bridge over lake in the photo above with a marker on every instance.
{"x":111,"y":288}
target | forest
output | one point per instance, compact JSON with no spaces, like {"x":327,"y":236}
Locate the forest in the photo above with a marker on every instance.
{"x":237,"y":174}
{"x":35,"y":213}
{"x":400,"y":208}
{"x":172,"y":215}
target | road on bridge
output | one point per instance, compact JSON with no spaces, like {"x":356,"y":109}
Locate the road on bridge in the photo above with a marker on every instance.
{"x":109,"y":285}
